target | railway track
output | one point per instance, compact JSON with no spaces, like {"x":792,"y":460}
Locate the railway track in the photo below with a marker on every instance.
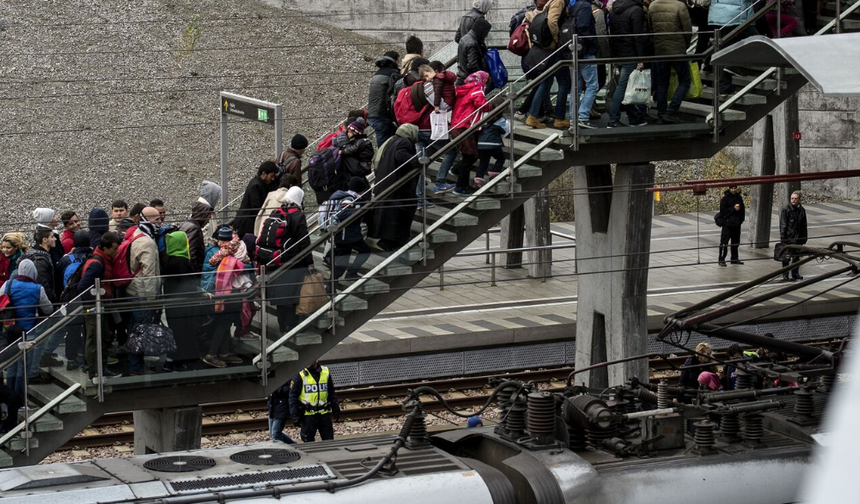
{"x":387,"y":397}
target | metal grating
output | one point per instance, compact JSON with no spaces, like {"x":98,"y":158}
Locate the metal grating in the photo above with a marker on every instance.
{"x":265,"y":457}
{"x":500,"y":359}
{"x":179,"y":463}
{"x":406,"y":368}
{"x":346,"y":373}
{"x":246,"y":479}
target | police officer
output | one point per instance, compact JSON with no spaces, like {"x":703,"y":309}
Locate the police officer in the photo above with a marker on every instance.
{"x":313,"y":402}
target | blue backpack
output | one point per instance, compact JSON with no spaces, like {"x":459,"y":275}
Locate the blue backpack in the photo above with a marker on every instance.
{"x":71,"y":269}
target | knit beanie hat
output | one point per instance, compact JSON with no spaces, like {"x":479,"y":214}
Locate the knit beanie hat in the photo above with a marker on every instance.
{"x":357,"y":184}
{"x":28,"y":269}
{"x":357,"y":126}
{"x":225,"y":233}
{"x":81,"y":238}
{"x":43,"y":216}
{"x":299,"y":142}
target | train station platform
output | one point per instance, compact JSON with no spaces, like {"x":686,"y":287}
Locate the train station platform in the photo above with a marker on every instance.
{"x":469,"y":313}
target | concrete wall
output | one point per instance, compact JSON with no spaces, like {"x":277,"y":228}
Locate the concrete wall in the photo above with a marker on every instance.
{"x":830,"y":141}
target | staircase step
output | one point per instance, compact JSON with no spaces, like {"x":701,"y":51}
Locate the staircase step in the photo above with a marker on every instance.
{"x":47,"y":423}
{"x":307,"y":338}
{"x":747,"y":99}
{"x":522,"y":148}
{"x":539,"y":135}
{"x":482,"y":203}
{"x":324,"y":322}
{"x":46,"y":393}
{"x":19,"y":444}
{"x":252,"y":347}
{"x":742,"y":81}
{"x":437,"y":236}
{"x":505,"y":188}
{"x":397,"y":268}
{"x":5,"y":459}
{"x":848,"y":24}
{"x":437,"y":212}
{"x":704,"y":110}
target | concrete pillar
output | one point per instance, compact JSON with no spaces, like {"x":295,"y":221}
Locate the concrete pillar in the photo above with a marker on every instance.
{"x":511,"y":237}
{"x":613,"y":238}
{"x":539,"y":262}
{"x":167,"y":429}
{"x":761,"y":196}
{"x":786,"y":122}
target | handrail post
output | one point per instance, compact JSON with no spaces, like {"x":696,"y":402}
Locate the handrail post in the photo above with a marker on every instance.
{"x":423,"y":204}
{"x":574,"y":95}
{"x":512,"y":97}
{"x":487,"y":236}
{"x":838,"y":17}
{"x":442,"y":277}
{"x":98,"y":336}
{"x":716,"y":70}
{"x":493,"y":271}
{"x":264,"y":329}
{"x":25,"y":434}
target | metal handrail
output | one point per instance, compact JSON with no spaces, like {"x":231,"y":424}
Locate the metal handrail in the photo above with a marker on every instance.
{"x":39,"y":414}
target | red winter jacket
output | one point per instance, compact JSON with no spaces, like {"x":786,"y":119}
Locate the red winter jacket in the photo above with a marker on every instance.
{"x":443,"y":89}
{"x":68,"y":241}
{"x":470,"y":97}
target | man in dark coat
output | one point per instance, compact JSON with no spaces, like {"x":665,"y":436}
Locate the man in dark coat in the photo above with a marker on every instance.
{"x":471,"y":51}
{"x":379,"y":113}
{"x":733,"y":211}
{"x":393,"y":216}
{"x":255,"y":195}
{"x":479,"y":10}
{"x":792,"y":231}
{"x":628,"y":18}
{"x":279,"y":412}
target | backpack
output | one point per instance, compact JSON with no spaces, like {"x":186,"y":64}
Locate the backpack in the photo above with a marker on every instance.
{"x":73,"y":267}
{"x":70,"y":291}
{"x":282,"y":164}
{"x":7,"y":310}
{"x":274,"y":236}
{"x":326,"y":142}
{"x":539,"y":31}
{"x":519,"y":18}
{"x":324,"y":170}
{"x":404,"y":110}
{"x":122,"y":263}
{"x":566,"y":32}
{"x":519,"y":42}
{"x":719,"y":219}
{"x":333,"y":212}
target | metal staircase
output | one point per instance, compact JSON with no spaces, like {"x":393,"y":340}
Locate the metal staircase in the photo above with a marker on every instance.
{"x":63,"y":408}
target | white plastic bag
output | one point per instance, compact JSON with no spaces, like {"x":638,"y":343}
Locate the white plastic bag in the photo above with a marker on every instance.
{"x":438,"y":126}
{"x":638,"y":88}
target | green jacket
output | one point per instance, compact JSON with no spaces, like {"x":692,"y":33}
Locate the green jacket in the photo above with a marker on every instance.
{"x":670,"y":16}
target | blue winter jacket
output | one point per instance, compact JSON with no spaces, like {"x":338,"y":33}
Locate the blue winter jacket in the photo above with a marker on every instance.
{"x":728,"y":12}
{"x":25,"y":298}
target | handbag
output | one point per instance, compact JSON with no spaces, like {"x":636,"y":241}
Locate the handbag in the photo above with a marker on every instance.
{"x":719,"y":219}
{"x":779,"y":252}
{"x":7,"y":313}
{"x":438,"y":126}
{"x":312,"y":295}
{"x":151,"y":339}
{"x":695,"y":90}
{"x":496,"y":68}
{"x":638,"y":88}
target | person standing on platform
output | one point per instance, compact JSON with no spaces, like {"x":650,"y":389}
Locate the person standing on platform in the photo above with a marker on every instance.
{"x":733,"y":212}
{"x":313,"y":402}
{"x":252,"y":200}
{"x":792,"y":231}
{"x":279,"y":412}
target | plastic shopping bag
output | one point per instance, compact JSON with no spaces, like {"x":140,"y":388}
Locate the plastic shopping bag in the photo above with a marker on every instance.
{"x":695,"y":90}
{"x":498,"y":72}
{"x":638,"y":88}
{"x":438,"y":126}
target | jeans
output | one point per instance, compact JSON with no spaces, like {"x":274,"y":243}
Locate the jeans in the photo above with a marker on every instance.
{"x":662,"y":74}
{"x":276,"y":430}
{"x":562,"y":76}
{"x":587,"y":73}
{"x":342,"y":253}
{"x":634,"y":114}
{"x":384,"y":129}
{"x":15,"y":372}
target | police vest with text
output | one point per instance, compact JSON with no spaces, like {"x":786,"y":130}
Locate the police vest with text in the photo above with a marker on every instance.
{"x":314,"y":395}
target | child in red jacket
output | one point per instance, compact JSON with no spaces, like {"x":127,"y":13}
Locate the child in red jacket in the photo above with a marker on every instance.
{"x":444,"y":95}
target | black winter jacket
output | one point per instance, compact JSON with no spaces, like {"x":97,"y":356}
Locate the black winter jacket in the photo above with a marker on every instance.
{"x":585,"y":27}
{"x":356,"y":154}
{"x":628,"y":18}
{"x":45,"y":271}
{"x":381,"y":89}
{"x":471,"y":51}
{"x":467,"y":22}
{"x":252,"y":201}
{"x":733,"y":218}
{"x":792,"y":225}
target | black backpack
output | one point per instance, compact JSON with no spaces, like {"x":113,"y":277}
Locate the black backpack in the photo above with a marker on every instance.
{"x":324,"y":170}
{"x":566,"y":32}
{"x":70,"y":292}
{"x":518,"y":18}
{"x":539,"y":31}
{"x":283,"y":159}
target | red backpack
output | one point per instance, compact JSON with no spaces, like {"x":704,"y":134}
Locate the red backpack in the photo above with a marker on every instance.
{"x":519,"y":42}
{"x":122,"y":273}
{"x":404,"y":110}
{"x":274,"y":236}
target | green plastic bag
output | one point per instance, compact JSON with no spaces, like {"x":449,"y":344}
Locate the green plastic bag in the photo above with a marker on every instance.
{"x":695,"y":90}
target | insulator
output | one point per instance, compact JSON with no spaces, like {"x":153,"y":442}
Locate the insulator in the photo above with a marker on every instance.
{"x":541,"y":417}
{"x":662,"y":394}
{"x":596,"y":437}
{"x":753,"y":428}
{"x":803,"y":404}
{"x":730,"y":426}
{"x":646,"y":396}
{"x":515,"y":422}
{"x":418,"y":437}
{"x":826,"y":383}
{"x":704,"y":436}
{"x":743,"y":380}
{"x":586,"y":411}
{"x":503,"y":404}
{"x":577,"y":439}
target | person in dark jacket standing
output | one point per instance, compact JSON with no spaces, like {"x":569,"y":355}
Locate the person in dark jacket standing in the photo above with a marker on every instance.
{"x":255,"y":195}
{"x":628,"y":18}
{"x":343,"y":205}
{"x":97,"y":223}
{"x":45,"y":241}
{"x":733,"y":211}
{"x":393,"y":216}
{"x":670,"y":22}
{"x":792,"y":231}
{"x":479,"y":10}
{"x":472,"y":51}
{"x":279,"y":412}
{"x":193,"y":229}
{"x":586,"y":28}
{"x":68,"y":265}
{"x":313,"y":402}
{"x":355,"y":149}
{"x":99,"y":266}
{"x":379,"y":113}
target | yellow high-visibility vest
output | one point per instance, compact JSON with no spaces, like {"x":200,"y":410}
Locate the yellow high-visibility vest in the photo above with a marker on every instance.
{"x":314,"y":395}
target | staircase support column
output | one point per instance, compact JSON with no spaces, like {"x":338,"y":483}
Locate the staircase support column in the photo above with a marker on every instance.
{"x":786,"y":123}
{"x":761,"y":196}
{"x":167,"y":429}
{"x":511,"y":237}
{"x":539,"y":262}
{"x":613,"y":237}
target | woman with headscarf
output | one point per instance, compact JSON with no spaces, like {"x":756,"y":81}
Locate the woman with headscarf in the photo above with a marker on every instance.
{"x":12,"y":247}
{"x":469,"y":109}
{"x":285,"y":284}
{"x":479,"y":10}
{"x":180,"y":285}
{"x":393,"y":214}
